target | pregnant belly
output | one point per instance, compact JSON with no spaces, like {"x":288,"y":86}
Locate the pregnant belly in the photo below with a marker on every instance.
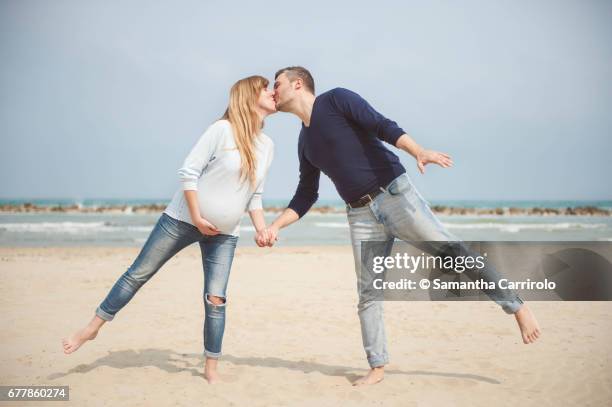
{"x":221,"y":214}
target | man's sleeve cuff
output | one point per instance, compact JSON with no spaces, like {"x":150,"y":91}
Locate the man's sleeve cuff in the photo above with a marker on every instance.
{"x":297,"y":209}
{"x":394,"y":135}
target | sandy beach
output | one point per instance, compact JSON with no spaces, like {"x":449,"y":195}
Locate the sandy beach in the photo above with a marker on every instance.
{"x":292,"y":337}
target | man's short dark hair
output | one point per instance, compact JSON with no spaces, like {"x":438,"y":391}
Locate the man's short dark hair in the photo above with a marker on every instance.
{"x":294,"y":72}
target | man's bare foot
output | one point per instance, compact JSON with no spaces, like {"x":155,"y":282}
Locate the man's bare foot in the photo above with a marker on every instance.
{"x":375,"y":375}
{"x":78,"y":338}
{"x":210,"y":371}
{"x":530,"y":329}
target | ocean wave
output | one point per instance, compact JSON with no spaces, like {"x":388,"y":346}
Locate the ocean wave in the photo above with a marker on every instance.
{"x":135,"y":228}
{"x":53,"y":226}
{"x":110,"y":227}
{"x":71,"y":227}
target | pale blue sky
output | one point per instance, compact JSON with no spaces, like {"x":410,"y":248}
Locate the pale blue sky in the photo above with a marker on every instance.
{"x":105,"y":99}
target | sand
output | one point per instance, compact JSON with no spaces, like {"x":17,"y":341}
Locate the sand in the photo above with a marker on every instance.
{"x":292,"y":337}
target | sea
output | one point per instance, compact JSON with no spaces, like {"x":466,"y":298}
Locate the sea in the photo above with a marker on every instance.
{"x":129,"y":229}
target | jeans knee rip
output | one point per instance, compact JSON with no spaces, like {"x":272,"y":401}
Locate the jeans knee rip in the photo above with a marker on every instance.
{"x":209,"y":302}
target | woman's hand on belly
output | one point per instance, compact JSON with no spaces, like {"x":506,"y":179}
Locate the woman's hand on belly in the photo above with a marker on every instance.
{"x":206,"y":228}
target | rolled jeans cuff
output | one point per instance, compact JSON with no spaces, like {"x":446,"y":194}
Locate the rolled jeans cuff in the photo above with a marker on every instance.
{"x":104,"y":315}
{"x":511,"y":307}
{"x":377,"y":361}
{"x":215,"y":355}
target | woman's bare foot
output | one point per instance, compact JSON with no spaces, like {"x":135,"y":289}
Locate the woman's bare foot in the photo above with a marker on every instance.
{"x":530,"y":329}
{"x":78,"y":338}
{"x":210,"y":371}
{"x":375,"y":375}
{"x":81,"y":336}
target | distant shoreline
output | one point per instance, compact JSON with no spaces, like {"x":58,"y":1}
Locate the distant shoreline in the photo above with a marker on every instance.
{"x":587,"y":210}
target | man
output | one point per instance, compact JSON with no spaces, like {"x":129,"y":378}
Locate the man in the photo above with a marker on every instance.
{"x":342,"y":136}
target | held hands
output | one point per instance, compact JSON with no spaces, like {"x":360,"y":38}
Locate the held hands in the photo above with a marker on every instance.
{"x":266,"y":237}
{"x":425,"y":157}
{"x":206,"y":228}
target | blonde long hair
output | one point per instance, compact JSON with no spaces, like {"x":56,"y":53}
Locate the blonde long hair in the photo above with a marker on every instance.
{"x":245,"y":122}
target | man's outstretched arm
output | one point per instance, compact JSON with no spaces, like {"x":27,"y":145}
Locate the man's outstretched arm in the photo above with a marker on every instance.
{"x":356,"y":108}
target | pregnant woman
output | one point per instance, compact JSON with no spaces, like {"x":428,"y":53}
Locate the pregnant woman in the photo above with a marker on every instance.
{"x":222,"y":177}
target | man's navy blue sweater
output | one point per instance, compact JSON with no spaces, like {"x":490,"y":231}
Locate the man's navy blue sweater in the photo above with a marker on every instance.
{"x":344,"y":141}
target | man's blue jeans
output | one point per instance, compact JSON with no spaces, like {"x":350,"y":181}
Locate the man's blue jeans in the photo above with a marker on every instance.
{"x":400,"y":212}
{"x":169,"y":236}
